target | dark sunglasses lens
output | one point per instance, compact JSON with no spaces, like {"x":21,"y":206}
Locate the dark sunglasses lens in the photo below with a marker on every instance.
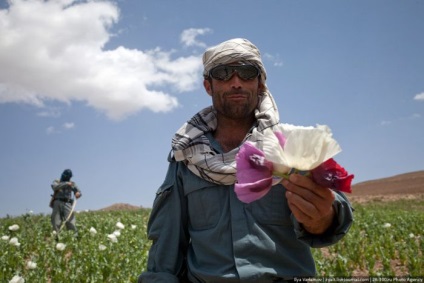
{"x":224,"y":73}
{"x":247,"y":72}
{"x":221,"y":73}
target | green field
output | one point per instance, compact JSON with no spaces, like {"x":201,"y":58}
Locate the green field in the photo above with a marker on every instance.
{"x":385,"y":240}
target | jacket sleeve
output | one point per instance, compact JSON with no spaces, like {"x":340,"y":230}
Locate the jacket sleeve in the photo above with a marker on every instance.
{"x":341,"y":224}
{"x":75,"y":188}
{"x":167,"y":230}
{"x":58,"y":185}
{"x":55,"y":185}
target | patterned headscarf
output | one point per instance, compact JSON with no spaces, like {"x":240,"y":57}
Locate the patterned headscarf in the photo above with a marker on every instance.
{"x":234,"y":50}
{"x":66,"y":175}
{"x":190,"y":143}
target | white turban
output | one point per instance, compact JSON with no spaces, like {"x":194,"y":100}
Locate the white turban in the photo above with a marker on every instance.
{"x":243,"y":51}
{"x":231,"y":51}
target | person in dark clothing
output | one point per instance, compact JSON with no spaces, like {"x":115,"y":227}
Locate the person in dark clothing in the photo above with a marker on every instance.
{"x":63,"y":202}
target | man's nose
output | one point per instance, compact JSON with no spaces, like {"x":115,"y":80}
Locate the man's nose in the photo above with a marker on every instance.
{"x":235,"y":80}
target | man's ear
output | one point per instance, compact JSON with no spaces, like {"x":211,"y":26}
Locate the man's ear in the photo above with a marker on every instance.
{"x":208,"y":86}
{"x":261,"y":87}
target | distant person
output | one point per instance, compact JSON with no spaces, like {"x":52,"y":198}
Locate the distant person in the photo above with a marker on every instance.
{"x":200,"y":230}
{"x":62,"y":202}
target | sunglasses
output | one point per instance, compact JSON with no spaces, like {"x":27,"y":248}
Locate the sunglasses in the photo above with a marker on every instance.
{"x":225,"y":72}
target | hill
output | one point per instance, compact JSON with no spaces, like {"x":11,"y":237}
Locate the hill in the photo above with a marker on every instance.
{"x":403,"y":186}
{"x":121,"y":206}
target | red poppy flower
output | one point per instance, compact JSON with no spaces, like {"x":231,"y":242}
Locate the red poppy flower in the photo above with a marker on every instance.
{"x":331,"y":175}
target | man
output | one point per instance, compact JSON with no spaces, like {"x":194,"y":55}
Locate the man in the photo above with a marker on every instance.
{"x":63,"y":202}
{"x":200,"y":231}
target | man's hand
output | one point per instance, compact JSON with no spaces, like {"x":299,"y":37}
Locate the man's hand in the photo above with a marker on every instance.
{"x":311,"y":204}
{"x":77,"y":195}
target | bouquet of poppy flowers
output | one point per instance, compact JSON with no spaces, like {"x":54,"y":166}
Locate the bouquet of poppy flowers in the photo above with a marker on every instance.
{"x":288,"y":149}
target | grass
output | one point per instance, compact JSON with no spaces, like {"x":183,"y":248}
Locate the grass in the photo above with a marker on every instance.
{"x":386,"y":239}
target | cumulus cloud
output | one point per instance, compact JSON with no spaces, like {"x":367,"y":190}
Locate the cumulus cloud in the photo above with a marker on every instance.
{"x":419,"y":96}
{"x":54,"y":51}
{"x":189,"y":37}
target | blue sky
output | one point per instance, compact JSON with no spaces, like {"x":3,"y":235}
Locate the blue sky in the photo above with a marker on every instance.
{"x":101,"y":87}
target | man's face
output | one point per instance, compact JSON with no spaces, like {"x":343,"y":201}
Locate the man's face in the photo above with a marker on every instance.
{"x":234,"y":98}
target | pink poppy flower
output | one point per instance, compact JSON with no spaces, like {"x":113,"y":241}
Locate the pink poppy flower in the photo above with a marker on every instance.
{"x":254,"y":174}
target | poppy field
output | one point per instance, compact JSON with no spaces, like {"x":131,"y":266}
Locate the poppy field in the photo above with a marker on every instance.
{"x":386,"y":239}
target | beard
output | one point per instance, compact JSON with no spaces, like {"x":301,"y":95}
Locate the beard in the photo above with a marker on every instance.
{"x":235,"y":109}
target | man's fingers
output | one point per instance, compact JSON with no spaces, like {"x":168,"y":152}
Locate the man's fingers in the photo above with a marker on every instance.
{"x":301,"y":208}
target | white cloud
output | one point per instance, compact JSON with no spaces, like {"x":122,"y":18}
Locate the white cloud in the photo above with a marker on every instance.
{"x":413,"y":116}
{"x":50,"y":112}
{"x":69,"y":125}
{"x":61,"y":57}
{"x":419,"y":96}
{"x":53,"y":130}
{"x":189,"y":36}
{"x":274,"y":59}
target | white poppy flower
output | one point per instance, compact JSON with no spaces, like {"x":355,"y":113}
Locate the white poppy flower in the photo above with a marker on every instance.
{"x":93,"y":231}
{"x":119,"y":225}
{"x":60,"y":246}
{"x":411,"y":235}
{"x":14,"y":227}
{"x":133,"y":227}
{"x":14,"y":242}
{"x":112,"y":238}
{"x":102,"y":247}
{"x":117,"y":233}
{"x":387,"y":225}
{"x":304,"y":148}
{"x":5,"y":238}
{"x":17,"y":279}
{"x":31,"y":265}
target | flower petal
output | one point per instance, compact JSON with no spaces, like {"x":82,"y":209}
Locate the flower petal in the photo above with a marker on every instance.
{"x":14,"y":227}
{"x":249,"y":192}
{"x":281,"y":138}
{"x":307,"y":147}
{"x":273,"y":143}
{"x":254,"y":173}
{"x":332,"y":175}
{"x":119,"y":225}
{"x":251,"y":164}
